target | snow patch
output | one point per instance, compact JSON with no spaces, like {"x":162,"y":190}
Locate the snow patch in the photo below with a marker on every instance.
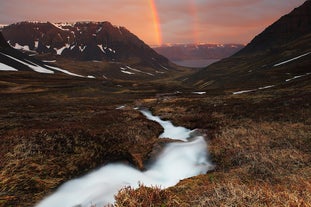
{"x":36,"y":44}
{"x":127,"y":72}
{"x":265,"y":87}
{"x":247,"y":91}
{"x":297,"y":76}
{"x":60,"y":26}
{"x":49,"y":61}
{"x":199,"y":92}
{"x":290,"y":60}
{"x":82,"y":48}
{"x":120,"y":107}
{"x":4,"y":67}
{"x":64,"y":71}
{"x":59,"y":51}
{"x":163,"y":67}
{"x":101,"y":48}
{"x":100,"y":29}
{"x":21,"y":47}
{"x":33,"y":66}
{"x":139,"y":71}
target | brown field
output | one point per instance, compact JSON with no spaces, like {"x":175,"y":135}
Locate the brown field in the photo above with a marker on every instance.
{"x":58,"y":128}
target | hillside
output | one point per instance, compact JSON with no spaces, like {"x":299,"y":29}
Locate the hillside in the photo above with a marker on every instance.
{"x":279,"y":53}
{"x":109,"y":47}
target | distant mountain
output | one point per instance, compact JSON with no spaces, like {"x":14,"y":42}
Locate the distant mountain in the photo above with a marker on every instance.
{"x":279,"y":55}
{"x":177,"y":52}
{"x":82,"y":41}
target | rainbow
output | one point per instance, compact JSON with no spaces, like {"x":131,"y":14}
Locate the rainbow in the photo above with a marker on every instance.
{"x":195,"y":21}
{"x":156,"y":21}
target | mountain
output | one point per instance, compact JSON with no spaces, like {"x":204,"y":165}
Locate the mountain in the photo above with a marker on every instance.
{"x":82,"y":41}
{"x":14,"y":60}
{"x":176,"y":52}
{"x":277,"y":56}
{"x":95,"y":49}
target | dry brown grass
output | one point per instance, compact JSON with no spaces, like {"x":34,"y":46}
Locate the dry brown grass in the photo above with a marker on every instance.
{"x":261,"y":148}
{"x":258,"y":164}
{"x":146,"y":197}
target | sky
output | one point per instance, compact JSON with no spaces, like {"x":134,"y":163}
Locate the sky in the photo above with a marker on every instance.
{"x":160,"y":21}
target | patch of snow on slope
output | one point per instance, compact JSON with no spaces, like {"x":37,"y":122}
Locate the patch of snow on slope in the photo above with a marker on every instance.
{"x":290,"y":60}
{"x":90,"y":76}
{"x":297,"y":76}
{"x":163,"y":67}
{"x":4,"y":67}
{"x":36,"y":44}
{"x":199,"y":92}
{"x":127,"y":72}
{"x":265,"y":87}
{"x":64,"y":71}
{"x":138,"y":71}
{"x":59,"y":51}
{"x":124,"y":70}
{"x":247,"y":91}
{"x":60,"y":26}
{"x":33,"y":66}
{"x":101,"y":48}
{"x":100,"y":29}
{"x":82,"y":48}
{"x":21,"y":47}
{"x":49,"y":61}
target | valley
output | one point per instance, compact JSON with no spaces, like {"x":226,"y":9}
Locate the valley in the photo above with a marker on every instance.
{"x":66,"y":114}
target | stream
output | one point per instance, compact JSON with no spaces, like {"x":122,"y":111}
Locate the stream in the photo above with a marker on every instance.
{"x":177,"y":161}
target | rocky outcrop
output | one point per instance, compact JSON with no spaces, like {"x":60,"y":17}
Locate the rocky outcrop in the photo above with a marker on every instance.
{"x":3,"y":43}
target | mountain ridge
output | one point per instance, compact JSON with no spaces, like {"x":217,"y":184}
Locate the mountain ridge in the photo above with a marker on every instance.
{"x":82,"y":41}
{"x":264,"y":61}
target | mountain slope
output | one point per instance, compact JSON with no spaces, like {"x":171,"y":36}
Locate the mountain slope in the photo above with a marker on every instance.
{"x":14,"y":60}
{"x":82,"y":41}
{"x":280,"y":53}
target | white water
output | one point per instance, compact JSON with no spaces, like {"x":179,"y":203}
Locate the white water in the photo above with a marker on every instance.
{"x":177,"y":161}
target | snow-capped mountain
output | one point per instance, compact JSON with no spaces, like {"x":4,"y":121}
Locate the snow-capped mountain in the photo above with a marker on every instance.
{"x":14,"y":60}
{"x":82,"y":41}
{"x":176,"y":52}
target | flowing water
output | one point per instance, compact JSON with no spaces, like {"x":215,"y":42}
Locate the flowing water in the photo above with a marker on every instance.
{"x":177,"y":161}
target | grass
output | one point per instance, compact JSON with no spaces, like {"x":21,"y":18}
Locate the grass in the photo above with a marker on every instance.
{"x":259,"y":144}
{"x":57,"y":128}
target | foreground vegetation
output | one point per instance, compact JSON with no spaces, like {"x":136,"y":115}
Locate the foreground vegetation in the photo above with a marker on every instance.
{"x":56,"y":129}
{"x":259,"y":142}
